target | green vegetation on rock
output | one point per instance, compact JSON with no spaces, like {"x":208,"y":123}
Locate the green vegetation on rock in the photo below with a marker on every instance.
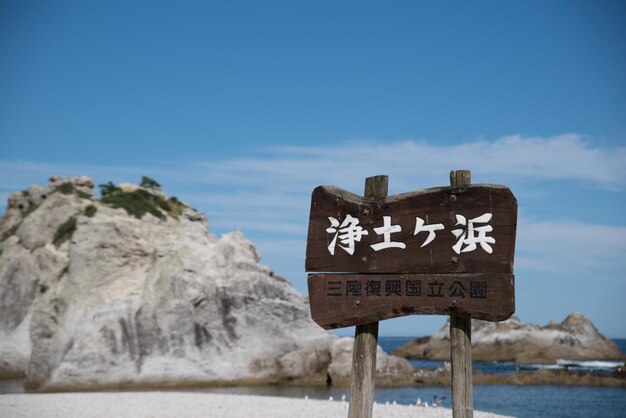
{"x":66,"y":188}
{"x":10,"y":231}
{"x":31,"y":208}
{"x":90,"y":211}
{"x":147,"y":182}
{"x":69,"y":188}
{"x":65,"y":231}
{"x":136,"y":203}
{"x":64,"y":271}
{"x":139,"y":202}
{"x":176,"y":206}
{"x":108,"y":188}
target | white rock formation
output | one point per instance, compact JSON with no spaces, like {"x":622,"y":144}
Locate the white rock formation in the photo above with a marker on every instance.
{"x":576,"y":338}
{"x":124,"y":301}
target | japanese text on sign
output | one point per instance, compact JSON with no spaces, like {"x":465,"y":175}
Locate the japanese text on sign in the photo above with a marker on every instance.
{"x":391,"y":288}
{"x":347,"y":233}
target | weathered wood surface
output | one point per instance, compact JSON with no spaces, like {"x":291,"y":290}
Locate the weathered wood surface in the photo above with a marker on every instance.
{"x":433,"y":206}
{"x":363,"y":371}
{"x":461,"y":340}
{"x":341,"y":300}
{"x":461,"y":365}
{"x":366,"y":337}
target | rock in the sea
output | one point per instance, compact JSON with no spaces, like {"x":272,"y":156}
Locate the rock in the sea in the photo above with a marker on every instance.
{"x":132,"y":290}
{"x":576,"y":338}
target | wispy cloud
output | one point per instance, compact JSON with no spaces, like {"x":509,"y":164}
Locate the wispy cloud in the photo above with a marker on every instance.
{"x":564,"y":157}
{"x":266,"y":193}
{"x":409,"y":163}
{"x":571,"y":247}
{"x":274,"y":186}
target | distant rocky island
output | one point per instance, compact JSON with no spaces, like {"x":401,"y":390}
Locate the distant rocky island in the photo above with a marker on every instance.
{"x":576,"y":338}
{"x":132,"y":290}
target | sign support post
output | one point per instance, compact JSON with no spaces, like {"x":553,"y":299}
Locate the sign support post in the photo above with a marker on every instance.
{"x":366,"y":336}
{"x":461,"y":339}
{"x":438,"y":251}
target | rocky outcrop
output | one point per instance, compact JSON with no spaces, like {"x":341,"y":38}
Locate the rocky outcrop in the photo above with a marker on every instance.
{"x":576,"y":338}
{"x":132,"y":290}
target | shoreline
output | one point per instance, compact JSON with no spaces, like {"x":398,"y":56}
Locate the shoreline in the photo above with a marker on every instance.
{"x":181,"y":404}
{"x":422,"y":378}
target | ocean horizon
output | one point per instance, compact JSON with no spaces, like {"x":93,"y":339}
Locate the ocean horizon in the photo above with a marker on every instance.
{"x":519,"y":401}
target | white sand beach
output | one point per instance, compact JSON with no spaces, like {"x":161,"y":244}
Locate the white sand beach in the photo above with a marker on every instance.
{"x":185,"y":404}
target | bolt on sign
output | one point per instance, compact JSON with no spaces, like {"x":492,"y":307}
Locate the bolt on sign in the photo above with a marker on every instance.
{"x":436,"y":251}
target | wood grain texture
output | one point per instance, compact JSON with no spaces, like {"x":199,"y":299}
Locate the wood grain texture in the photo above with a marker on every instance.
{"x":434,"y":206}
{"x":460,"y":178}
{"x":461,"y":340}
{"x":366,"y":337}
{"x":363,"y":371}
{"x":376,"y":187}
{"x":341,"y":300}
{"x":461,"y":364}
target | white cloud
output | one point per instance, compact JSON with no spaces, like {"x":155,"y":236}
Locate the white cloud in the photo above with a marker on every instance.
{"x":410,"y":164}
{"x":571,"y":247}
{"x":267,"y":194}
{"x":564,"y":157}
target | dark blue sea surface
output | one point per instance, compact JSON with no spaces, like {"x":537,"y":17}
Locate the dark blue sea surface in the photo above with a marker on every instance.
{"x":517,"y":401}
{"x":521,"y":401}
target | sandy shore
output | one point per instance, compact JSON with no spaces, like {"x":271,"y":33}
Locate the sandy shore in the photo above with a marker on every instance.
{"x":182,"y":404}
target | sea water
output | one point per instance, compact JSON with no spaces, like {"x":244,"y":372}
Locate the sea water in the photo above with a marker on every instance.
{"x":518,"y":401}
{"x":522,"y":401}
{"x":513,"y":400}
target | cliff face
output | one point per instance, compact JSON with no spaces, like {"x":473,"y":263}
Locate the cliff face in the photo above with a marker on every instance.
{"x":576,"y":338}
{"x":133,"y":290}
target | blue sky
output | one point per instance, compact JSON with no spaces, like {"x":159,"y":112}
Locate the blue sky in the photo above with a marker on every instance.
{"x":242,"y":108}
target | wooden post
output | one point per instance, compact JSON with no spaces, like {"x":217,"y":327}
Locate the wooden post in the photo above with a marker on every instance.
{"x":461,"y":340}
{"x":366,"y":337}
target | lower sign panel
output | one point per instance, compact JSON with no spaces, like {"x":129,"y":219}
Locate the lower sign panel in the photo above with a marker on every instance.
{"x":342,"y":300}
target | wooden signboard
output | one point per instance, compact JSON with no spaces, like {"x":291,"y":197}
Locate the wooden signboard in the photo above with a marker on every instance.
{"x":442,"y":230}
{"x":341,"y":300}
{"x":436,"y":251}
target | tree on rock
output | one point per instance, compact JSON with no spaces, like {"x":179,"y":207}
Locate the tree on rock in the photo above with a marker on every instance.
{"x":147,"y":183}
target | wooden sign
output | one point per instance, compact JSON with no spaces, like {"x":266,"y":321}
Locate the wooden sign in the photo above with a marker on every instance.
{"x":442,"y":230}
{"x":341,"y":300}
{"x":436,"y":251}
